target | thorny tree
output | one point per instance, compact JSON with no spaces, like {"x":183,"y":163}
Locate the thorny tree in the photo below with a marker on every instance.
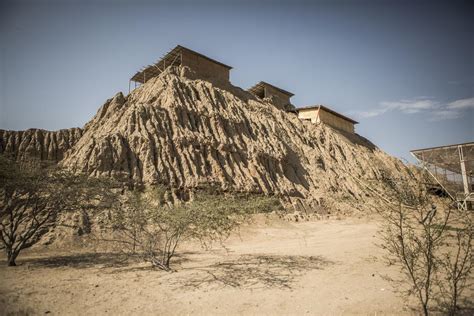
{"x":145,"y":225}
{"x":456,"y":262}
{"x":417,"y":237}
{"x":32,"y":195}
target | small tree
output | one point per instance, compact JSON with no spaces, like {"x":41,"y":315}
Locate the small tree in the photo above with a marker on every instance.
{"x":456,"y":263}
{"x":411,"y":236}
{"x":32,"y":195}
{"x":417,"y":234}
{"x":144,"y":224}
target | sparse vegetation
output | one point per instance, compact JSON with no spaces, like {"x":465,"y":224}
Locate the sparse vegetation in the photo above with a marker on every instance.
{"x":431,"y":241}
{"x":32,"y":194}
{"x":456,"y":264}
{"x":146,"y":225}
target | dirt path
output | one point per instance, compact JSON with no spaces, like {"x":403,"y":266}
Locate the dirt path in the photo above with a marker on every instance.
{"x":323,"y":268}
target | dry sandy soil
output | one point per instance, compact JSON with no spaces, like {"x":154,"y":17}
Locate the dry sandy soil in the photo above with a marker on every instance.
{"x":329,"y":267}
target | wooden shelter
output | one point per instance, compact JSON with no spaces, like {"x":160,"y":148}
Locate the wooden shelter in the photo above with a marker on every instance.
{"x":452,"y":167}
{"x":321,"y":114}
{"x":205,"y":67}
{"x":265,"y":90}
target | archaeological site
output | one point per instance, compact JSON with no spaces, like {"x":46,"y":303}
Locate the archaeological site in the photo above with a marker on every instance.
{"x":189,"y":195}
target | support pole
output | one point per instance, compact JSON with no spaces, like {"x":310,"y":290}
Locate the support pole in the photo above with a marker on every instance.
{"x":465,"y":180}
{"x":129,"y":82}
{"x":426,"y":167}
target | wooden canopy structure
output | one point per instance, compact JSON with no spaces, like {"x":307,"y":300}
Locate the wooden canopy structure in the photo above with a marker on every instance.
{"x":179,"y":55}
{"x":280,"y":98}
{"x":452,"y":167}
{"x":326,"y":109}
{"x":261,"y":90}
{"x":322,"y":114}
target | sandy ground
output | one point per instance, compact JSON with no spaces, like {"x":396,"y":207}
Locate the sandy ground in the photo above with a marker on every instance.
{"x":330,"y":267}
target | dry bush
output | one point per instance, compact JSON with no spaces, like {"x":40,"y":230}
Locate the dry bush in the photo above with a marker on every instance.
{"x":456,"y":263}
{"x":32,"y":194}
{"x":430,"y":240}
{"x":145,"y":225}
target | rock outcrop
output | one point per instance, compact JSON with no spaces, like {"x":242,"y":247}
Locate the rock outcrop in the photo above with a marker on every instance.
{"x":185,"y":132}
{"x":38,"y":143}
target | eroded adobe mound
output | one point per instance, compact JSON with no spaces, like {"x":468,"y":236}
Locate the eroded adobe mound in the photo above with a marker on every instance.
{"x":185,"y":132}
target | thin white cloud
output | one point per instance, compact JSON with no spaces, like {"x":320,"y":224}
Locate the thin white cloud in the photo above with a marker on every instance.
{"x":434,"y":110}
{"x":373,"y":113}
{"x":409,"y":106}
{"x":442,"y":115}
{"x":461,"y":104}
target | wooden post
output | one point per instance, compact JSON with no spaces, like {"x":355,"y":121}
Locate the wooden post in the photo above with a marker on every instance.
{"x":465,"y":181}
{"x":129,"y":82}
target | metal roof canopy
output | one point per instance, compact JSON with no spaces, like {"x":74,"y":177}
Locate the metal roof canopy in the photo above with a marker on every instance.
{"x":322,"y":107}
{"x":169,"y":59}
{"x":448,"y":157}
{"x":457,"y":159}
{"x":259,"y":88}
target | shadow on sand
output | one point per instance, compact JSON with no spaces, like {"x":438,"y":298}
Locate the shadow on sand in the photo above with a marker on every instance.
{"x":465,"y":305}
{"x":93,"y":260}
{"x":80,"y":260}
{"x":255,"y":271}
{"x":249,"y":271}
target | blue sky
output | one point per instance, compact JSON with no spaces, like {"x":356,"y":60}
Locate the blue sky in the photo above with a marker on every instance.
{"x":403,"y":69}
